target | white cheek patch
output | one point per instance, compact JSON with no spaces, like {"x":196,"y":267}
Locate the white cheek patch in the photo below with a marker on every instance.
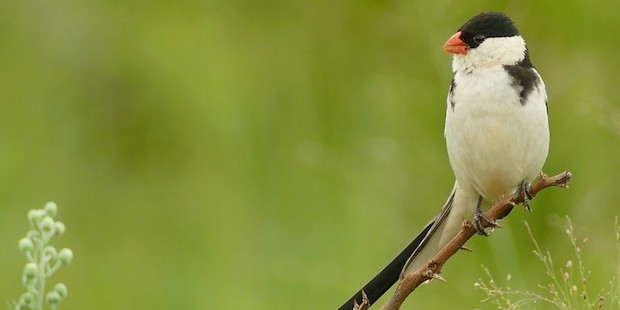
{"x":492,"y":52}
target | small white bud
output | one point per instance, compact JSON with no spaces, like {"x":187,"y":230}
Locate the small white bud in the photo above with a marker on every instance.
{"x":65,"y":256}
{"x":51,"y":209}
{"x":50,"y":252}
{"x":47,"y":225}
{"x":53,"y":298}
{"x":35,"y":215}
{"x":61,"y":289}
{"x":30,"y":271}
{"x":27,"y":298}
{"x":59,"y":227}
{"x":26,"y":245}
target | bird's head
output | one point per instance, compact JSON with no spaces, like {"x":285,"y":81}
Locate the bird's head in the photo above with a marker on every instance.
{"x":487,"y":39}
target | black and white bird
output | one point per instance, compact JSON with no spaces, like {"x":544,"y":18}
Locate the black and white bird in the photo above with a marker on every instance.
{"x":496,"y":131}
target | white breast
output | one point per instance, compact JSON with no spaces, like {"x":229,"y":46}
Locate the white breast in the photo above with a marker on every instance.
{"x":494,"y":142}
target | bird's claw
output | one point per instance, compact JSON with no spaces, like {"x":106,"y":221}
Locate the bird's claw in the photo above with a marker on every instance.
{"x":478,"y":216}
{"x":365,"y":302}
{"x":524,"y":189}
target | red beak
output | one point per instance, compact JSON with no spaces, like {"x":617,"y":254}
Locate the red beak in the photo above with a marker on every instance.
{"x":455,"y":45}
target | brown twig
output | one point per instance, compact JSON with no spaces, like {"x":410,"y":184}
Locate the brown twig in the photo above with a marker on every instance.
{"x":431,"y":270}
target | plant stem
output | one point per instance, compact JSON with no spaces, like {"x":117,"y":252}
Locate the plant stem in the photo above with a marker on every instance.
{"x":41,"y":274}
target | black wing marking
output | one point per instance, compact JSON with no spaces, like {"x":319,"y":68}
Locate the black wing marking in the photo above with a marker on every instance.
{"x":451,"y":94}
{"x":524,"y":77}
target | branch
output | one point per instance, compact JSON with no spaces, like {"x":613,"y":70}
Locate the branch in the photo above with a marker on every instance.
{"x":431,"y":270}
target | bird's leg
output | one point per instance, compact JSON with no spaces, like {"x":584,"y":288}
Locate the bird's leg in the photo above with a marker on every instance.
{"x":524,"y":189}
{"x":478,"y":216}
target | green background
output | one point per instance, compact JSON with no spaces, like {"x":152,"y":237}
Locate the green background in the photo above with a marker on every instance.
{"x":275,"y":155}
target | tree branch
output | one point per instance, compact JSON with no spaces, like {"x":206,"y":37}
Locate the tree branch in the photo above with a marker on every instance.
{"x":431,"y":270}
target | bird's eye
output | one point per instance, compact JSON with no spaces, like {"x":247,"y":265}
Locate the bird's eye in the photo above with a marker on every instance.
{"x":479,"y":38}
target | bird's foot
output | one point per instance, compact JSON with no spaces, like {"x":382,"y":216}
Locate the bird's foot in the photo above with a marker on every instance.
{"x":479,"y":216}
{"x":524,"y":189}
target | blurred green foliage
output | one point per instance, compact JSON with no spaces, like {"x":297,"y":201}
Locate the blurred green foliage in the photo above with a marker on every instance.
{"x":275,"y":155}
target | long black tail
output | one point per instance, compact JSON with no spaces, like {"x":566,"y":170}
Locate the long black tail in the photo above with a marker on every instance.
{"x":388,"y":276}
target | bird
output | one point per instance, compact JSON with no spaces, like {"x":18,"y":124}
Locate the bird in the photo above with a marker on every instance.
{"x":496,"y":132}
